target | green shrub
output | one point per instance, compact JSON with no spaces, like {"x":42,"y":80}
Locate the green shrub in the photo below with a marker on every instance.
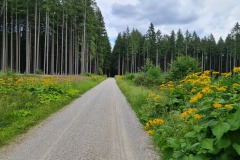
{"x":148,"y":65}
{"x":183,"y":66}
{"x":140,"y":79}
{"x":87,"y":74}
{"x":100,"y":71}
{"x":129,"y":76}
{"x":39,"y":71}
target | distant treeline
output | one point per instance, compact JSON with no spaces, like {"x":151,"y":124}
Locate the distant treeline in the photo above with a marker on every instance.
{"x":132,"y":49}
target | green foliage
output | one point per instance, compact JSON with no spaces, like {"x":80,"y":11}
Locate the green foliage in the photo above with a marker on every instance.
{"x":39,"y":71}
{"x":148,"y":65}
{"x":148,"y":75}
{"x":129,"y":76}
{"x":199,"y":116}
{"x":183,"y":66}
{"x":100,"y":71}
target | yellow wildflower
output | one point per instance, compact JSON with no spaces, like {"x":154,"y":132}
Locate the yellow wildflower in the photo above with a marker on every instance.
{"x":222,"y":88}
{"x":184,"y":114}
{"x":196,"y":98}
{"x":150,"y":132}
{"x":206,"y":90}
{"x":197,"y":116}
{"x":217,"y":105}
{"x":228,"y":106}
{"x":207,"y":72}
{"x":215,"y":73}
{"x":236,"y":69}
{"x":235,"y":85}
{"x":228,"y":74}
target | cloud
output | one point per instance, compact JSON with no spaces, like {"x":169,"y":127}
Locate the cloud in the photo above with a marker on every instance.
{"x":123,"y":11}
{"x":203,"y":16}
{"x":164,"y":12}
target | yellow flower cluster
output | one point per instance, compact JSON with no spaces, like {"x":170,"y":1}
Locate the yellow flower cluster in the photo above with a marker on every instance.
{"x":190,"y":111}
{"x":198,"y":79}
{"x":217,"y":105}
{"x":168,"y":85}
{"x":206,"y":90}
{"x":215,"y":73}
{"x":235,"y":85}
{"x":196,"y":98}
{"x":197,"y":116}
{"x":45,"y":81}
{"x":2,"y":82}
{"x":150,"y":132}
{"x":227,"y":74}
{"x":154,"y":98}
{"x":236,"y":69}
{"x":153,"y":122}
{"x":228,"y":106}
{"x":224,"y":88}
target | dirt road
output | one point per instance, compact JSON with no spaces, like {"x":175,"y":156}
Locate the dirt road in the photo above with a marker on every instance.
{"x":99,"y":125}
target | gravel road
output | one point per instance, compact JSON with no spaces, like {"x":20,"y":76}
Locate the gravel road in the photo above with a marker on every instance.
{"x":99,"y":125}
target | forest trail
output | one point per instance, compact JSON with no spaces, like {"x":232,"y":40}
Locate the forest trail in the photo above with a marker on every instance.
{"x":99,"y":125}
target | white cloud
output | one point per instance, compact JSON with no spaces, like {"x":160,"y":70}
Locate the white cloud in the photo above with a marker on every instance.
{"x":203,"y":16}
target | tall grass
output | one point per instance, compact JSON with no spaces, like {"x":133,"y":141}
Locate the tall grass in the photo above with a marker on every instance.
{"x":136,"y":96}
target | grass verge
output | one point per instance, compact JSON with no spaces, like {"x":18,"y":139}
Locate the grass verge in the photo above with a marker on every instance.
{"x":136,"y":96}
{"x":27,"y":100}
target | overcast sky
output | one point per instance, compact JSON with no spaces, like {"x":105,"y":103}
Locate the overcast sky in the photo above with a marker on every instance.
{"x":204,"y":16}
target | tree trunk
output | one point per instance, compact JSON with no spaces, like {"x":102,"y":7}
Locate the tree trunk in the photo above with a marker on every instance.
{"x":12,"y":41}
{"x":83,"y":42}
{"x":62,"y":51}
{"x":47,"y":50}
{"x":57,"y":55}
{"x":123,"y":65}
{"x":157,"y":58}
{"x":70,"y":50}
{"x":66,"y":47}
{"x":119,"y":65}
{"x":202,"y":63}
{"x":27,"y":45}
{"x":227,"y":62}
{"x":35,"y":38}
{"x":165,"y":63}
{"x":4,"y":38}
{"x":45,"y":45}
{"x":17,"y":49}
{"x":38,"y":42}
{"x":52,"y":52}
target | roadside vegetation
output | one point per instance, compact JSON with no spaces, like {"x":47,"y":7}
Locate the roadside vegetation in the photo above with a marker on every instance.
{"x":190,"y":115}
{"x":25,"y":100}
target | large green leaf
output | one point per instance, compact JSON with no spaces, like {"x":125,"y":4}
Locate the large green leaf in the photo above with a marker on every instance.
{"x":237,"y":148}
{"x":234,"y":121}
{"x":190,"y":134}
{"x":207,"y":143}
{"x":224,"y":142}
{"x":220,"y":128}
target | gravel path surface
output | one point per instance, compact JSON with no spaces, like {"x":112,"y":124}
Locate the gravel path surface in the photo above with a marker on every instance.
{"x":99,"y":125}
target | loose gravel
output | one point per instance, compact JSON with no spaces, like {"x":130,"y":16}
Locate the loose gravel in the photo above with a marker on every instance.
{"x":99,"y":125}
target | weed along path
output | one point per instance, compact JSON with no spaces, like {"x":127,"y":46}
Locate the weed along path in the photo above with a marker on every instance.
{"x":99,"y":125}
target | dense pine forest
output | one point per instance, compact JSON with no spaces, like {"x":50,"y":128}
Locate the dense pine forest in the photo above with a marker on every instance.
{"x":69,"y":37}
{"x":53,"y":37}
{"x":132,"y":49}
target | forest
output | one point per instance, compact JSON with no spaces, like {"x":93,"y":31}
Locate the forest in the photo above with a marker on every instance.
{"x":70,"y":37}
{"x":53,"y":37}
{"x":132,"y":49}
